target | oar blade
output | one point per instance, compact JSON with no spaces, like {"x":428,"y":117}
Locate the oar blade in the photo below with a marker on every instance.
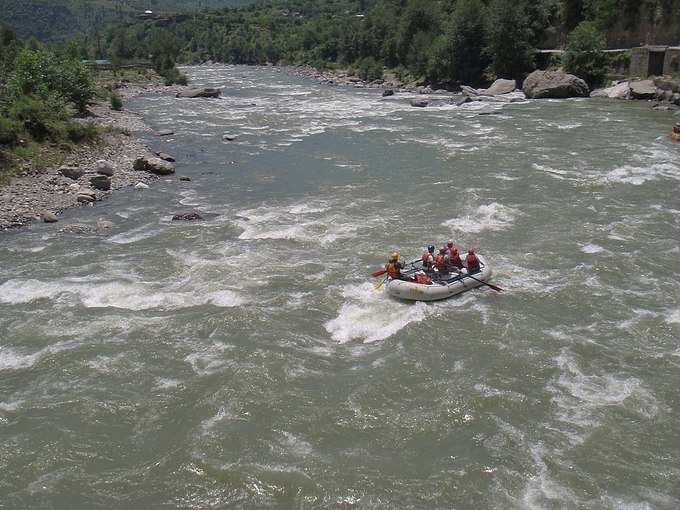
{"x":380,"y":272}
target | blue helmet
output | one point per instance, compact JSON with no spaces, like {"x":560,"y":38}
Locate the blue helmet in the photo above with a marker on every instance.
{"x":430,"y":248}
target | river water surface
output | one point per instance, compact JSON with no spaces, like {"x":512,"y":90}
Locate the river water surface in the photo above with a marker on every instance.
{"x":247,"y":361}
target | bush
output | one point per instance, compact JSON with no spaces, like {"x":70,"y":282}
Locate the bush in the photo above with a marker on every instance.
{"x":584,"y":54}
{"x":370,"y":69}
{"x":172,"y":75}
{"x":40,"y":118}
{"x":79,"y":132}
{"x":9,"y":132}
{"x":116,"y":102}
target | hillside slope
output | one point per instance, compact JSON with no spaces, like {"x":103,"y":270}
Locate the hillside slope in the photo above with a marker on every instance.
{"x":60,"y":19}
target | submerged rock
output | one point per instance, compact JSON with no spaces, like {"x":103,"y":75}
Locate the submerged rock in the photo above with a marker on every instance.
{"x":229,"y":137}
{"x":154,"y":165}
{"x":187,"y":216}
{"x":166,"y":132}
{"x":419,"y":103}
{"x":202,"y":92}
{"x":165,"y":157}
{"x":388,"y":92}
{"x":554,"y":84}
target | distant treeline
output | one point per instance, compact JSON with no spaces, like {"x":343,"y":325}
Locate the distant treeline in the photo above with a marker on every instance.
{"x":443,"y":41}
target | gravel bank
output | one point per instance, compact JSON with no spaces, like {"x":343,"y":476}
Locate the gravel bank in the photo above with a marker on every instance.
{"x":36,"y":196}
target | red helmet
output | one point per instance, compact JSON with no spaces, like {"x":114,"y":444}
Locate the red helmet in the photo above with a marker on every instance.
{"x":449,"y":243}
{"x":442,"y":249}
{"x":471,"y":250}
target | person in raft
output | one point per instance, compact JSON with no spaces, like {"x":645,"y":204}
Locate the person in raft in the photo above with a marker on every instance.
{"x":428,"y":258}
{"x":440,"y":260}
{"x":472,"y":261}
{"x":454,"y":258}
{"x":394,"y":267}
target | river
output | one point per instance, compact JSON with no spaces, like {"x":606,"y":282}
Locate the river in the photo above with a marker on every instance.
{"x":246,"y":361}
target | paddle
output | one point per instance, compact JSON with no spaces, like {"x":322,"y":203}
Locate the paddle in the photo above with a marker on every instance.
{"x":494,"y":287}
{"x":376,"y":286}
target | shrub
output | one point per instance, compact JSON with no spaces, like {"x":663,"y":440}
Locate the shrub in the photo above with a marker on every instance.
{"x":40,"y":118}
{"x":370,"y":69}
{"x":9,"y":131}
{"x":79,"y":132}
{"x":116,"y":102}
{"x":584,"y":54}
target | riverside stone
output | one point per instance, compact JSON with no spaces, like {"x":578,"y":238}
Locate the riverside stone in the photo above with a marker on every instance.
{"x":154,"y":165}
{"x":72,"y":172}
{"x":500,"y":87}
{"x":554,"y":84}
{"x":644,"y":89}
{"x":48,"y":217}
{"x":101,"y":182}
{"x":200,"y":92}
{"x":104,"y":168}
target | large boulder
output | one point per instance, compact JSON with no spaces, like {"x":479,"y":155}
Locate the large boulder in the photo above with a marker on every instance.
{"x":500,"y":87}
{"x":419,"y":103}
{"x":469,"y":91}
{"x":388,"y":92}
{"x":203,"y":92}
{"x":104,"y":168}
{"x":554,"y":84}
{"x":154,"y":166}
{"x":644,"y":89}
{"x":618,"y":91}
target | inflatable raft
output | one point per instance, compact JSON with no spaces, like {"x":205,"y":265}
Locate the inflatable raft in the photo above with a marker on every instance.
{"x":443,"y":286}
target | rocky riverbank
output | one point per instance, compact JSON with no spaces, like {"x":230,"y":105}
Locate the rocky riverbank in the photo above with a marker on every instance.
{"x":90,"y":173}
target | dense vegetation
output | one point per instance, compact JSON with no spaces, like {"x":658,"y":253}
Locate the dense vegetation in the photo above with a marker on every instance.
{"x":41,"y":90}
{"x":441,"y":41}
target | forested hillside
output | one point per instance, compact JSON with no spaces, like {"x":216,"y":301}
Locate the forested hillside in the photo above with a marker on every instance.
{"x":442,"y":41}
{"x":61,"y":19}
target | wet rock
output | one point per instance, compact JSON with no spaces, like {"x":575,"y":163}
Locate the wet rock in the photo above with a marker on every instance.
{"x":229,"y":137}
{"x":644,"y":89}
{"x":48,"y":217}
{"x":388,"y":92}
{"x":72,"y":172}
{"x":87,"y":192}
{"x":104,"y":168}
{"x":77,"y":228}
{"x":500,"y":87}
{"x":469,"y":91}
{"x":554,"y":84}
{"x":141,"y":185}
{"x":201,"y":92}
{"x":101,"y":182}
{"x":85,"y":199}
{"x":154,"y":165}
{"x":184,"y":178}
{"x":187,"y":216}
{"x":461,"y":102}
{"x":166,"y":132}
{"x":419,"y":103}
{"x":103,"y":224}
{"x":165,"y":157}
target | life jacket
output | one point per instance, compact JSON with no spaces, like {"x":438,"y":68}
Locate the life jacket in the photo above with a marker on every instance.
{"x":454,"y":260}
{"x":427,"y":260}
{"x":423,"y":278}
{"x":440,"y":261}
{"x":393,"y":269}
{"x":472,"y":262}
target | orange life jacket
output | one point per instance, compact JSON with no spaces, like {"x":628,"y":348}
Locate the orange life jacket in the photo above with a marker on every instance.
{"x":455,"y":261}
{"x":393,"y":269}
{"x":440,"y":261}
{"x":423,"y":278}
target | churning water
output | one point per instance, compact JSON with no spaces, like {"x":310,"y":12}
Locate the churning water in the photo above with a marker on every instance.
{"x":246,"y":361}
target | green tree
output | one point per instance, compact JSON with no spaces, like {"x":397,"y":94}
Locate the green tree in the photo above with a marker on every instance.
{"x":510,"y":40}
{"x":584,"y":54}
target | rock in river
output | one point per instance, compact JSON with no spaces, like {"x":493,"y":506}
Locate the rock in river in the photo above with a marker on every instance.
{"x":419,"y":103}
{"x":154,"y":165}
{"x":166,"y":132}
{"x":187,"y":216}
{"x":554,"y":84}
{"x":204,"y":92}
{"x":48,"y":217}
{"x":388,"y":92}
{"x":165,"y":157}
{"x":500,"y":87}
